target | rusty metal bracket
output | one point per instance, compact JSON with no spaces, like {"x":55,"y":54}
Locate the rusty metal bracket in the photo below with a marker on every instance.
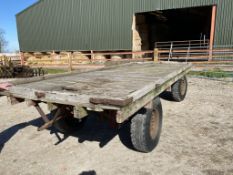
{"x":51,"y":122}
{"x":40,"y":95}
{"x":38,"y":108}
{"x":48,"y":123}
{"x":42,"y":114}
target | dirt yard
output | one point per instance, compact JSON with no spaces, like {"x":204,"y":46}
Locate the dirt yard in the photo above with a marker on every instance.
{"x":197,"y":139}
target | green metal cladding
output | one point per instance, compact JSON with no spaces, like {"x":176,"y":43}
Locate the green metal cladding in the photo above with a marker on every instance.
{"x":101,"y":24}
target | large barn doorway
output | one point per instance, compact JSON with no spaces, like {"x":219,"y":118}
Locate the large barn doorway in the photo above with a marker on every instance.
{"x":172,"y":25}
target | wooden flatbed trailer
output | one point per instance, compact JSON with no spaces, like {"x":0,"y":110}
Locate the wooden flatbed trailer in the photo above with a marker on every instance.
{"x":123,"y":92}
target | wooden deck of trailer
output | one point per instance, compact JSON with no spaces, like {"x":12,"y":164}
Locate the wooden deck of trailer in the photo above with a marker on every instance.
{"x":112,"y":87}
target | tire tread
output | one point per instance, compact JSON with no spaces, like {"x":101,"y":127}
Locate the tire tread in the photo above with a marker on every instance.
{"x":176,"y":94}
{"x":140,"y":124}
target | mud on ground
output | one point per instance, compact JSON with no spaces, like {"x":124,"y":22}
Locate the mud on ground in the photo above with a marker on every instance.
{"x":197,"y":139}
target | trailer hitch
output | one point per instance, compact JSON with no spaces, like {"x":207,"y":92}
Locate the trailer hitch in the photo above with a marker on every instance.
{"x":40,"y":111}
{"x":47,"y":123}
{"x":50,"y":123}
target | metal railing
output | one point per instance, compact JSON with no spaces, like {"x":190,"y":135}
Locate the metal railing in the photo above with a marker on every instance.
{"x":205,"y":54}
{"x":175,"y":45}
{"x":194,"y":50}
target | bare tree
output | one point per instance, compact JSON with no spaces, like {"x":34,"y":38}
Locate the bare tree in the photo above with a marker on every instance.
{"x":3,"y":42}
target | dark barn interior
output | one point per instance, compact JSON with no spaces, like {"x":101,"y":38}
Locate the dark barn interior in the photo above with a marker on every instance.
{"x":173,"y":25}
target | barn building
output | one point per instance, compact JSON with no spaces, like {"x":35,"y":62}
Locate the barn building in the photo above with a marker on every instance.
{"x":107,"y":25}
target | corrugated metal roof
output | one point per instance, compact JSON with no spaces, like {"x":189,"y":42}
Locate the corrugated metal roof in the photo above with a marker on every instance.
{"x":101,"y":24}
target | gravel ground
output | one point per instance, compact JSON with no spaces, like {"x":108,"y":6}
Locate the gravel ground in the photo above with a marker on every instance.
{"x":197,"y":139}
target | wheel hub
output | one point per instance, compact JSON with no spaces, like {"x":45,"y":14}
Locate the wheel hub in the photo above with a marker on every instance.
{"x":154,"y":124}
{"x":183,"y":87}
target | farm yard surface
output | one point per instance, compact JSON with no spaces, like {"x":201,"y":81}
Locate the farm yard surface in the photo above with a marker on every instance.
{"x":196,"y":139}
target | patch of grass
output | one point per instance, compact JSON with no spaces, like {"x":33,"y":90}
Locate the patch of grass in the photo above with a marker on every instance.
{"x":54,"y":71}
{"x":215,"y":73}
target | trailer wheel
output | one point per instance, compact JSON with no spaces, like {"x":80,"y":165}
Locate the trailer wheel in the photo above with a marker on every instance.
{"x":68,"y":123}
{"x":179,"y":89}
{"x":146,"y":127}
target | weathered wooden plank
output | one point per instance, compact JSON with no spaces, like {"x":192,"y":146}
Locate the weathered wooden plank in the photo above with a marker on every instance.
{"x":127,"y":111}
{"x":50,"y":96}
{"x":111,"y":102}
{"x":143,"y":91}
{"x":77,"y":72}
{"x":109,"y":87}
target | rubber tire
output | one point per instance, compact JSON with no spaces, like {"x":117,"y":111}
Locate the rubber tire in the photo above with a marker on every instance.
{"x":68,"y":124}
{"x":140,"y":128}
{"x":177,"y":95}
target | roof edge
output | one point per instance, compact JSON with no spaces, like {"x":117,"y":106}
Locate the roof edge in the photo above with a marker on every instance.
{"x":31,"y":6}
